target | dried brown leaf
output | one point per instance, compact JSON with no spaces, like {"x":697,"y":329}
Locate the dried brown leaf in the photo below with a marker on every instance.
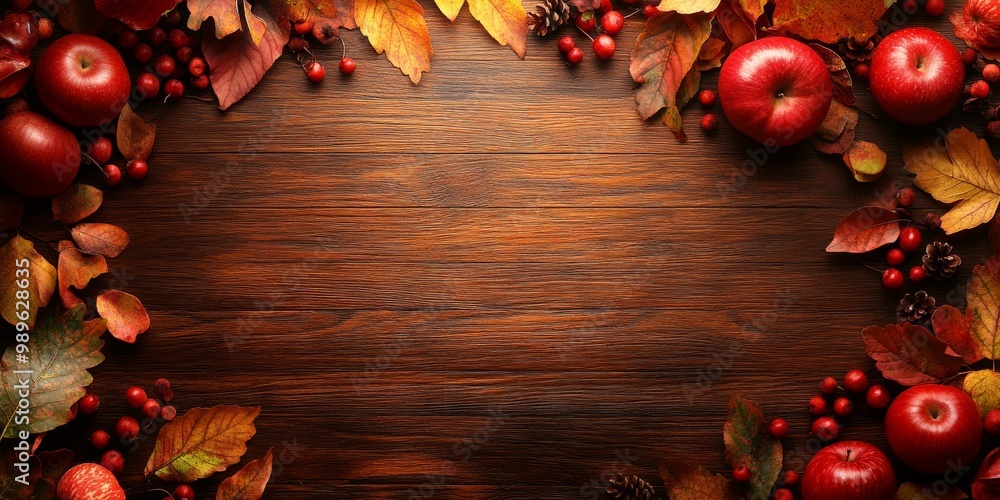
{"x":100,"y":239}
{"x":135,"y":136}
{"x":76,"y":203}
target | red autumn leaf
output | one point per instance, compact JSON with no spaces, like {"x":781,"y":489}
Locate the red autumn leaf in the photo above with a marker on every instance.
{"x":100,"y":239}
{"x":738,"y":28}
{"x":978,"y":25}
{"x":80,"y":16}
{"x":843,"y":85}
{"x":135,"y":137}
{"x":76,"y":203}
{"x":909,"y":354}
{"x":238,"y":64}
{"x":864,"y":230}
{"x":18,"y":37}
{"x":249,"y":482}
{"x":684,"y":482}
{"x":136,"y":15}
{"x":952,"y":327}
{"x":76,"y":270}
{"x":826,"y":23}
{"x":126,"y":316}
{"x":11,"y":209}
{"x":749,"y":443}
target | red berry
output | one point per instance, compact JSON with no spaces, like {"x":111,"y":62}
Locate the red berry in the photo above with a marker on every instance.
{"x":45,"y":28}
{"x":909,"y":239}
{"x":741,"y":474}
{"x":855,"y":381}
{"x":197,"y":66}
{"x":574,"y":56}
{"x":168,"y":413}
{"x":172,"y":18}
{"x":163,"y":390}
{"x":877,"y":397}
{"x":566,"y":44}
{"x":127,"y":428}
{"x":112,"y":175}
{"x":128,"y":40}
{"x":991,"y":422}
{"x":817,"y":405}
{"x":89,"y":403}
{"x":969,"y":56}
{"x":99,"y":439}
{"x":298,"y":44}
{"x":164,"y":65}
{"x":934,"y":8}
{"x":783,"y":494}
{"x":606,"y":6}
{"x":157,"y":36}
{"x":825,"y":429}
{"x":113,"y":461}
{"x":200,"y":82}
{"x":184,"y":55}
{"x":894,"y":257}
{"x":347,"y":66}
{"x":861,"y":70}
{"x":148,"y":85}
{"x":791,"y":477}
{"x":303,"y":28}
{"x":151,"y":408}
{"x":706,"y":97}
{"x":828,"y":385}
{"x":917,"y":274}
{"x":910,"y":6}
{"x":324,"y":31}
{"x":892,"y":278}
{"x":143,"y":53}
{"x":135,"y":396}
{"x":604,"y":46}
{"x":315,"y":72}
{"x":779,"y":428}
{"x":174,"y":88}
{"x":586,"y":21}
{"x":101,"y":150}
{"x":980,"y":89}
{"x":649,"y":11}
{"x":906,"y":197}
{"x":184,"y":492}
{"x":991,"y":73}
{"x":137,"y":169}
{"x":177,"y":38}
{"x":709,"y":122}
{"x":842,"y":406}
{"x":612,"y":22}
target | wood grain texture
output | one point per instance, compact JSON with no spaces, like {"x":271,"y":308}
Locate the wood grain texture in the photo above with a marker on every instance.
{"x":498,"y":284}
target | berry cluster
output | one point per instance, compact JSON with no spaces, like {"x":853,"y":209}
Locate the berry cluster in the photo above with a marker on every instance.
{"x":100,"y":154}
{"x":707,"y":98}
{"x":324,"y":32}
{"x":169,"y":52}
{"x":612,"y":22}
{"x":825,"y":427}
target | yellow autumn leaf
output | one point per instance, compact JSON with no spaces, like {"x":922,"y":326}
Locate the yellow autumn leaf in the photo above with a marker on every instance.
{"x":964,"y":173}
{"x":397,"y":28}
{"x":984,"y":387}
{"x":201,"y":443}
{"x":29,"y":281}
{"x":505,"y":20}
{"x":450,"y":8}
{"x":688,"y":6}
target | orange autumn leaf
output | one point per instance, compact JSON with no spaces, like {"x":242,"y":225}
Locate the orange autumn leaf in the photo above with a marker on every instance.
{"x":964,"y":172}
{"x":397,"y":28}
{"x":100,"y":239}
{"x":249,"y":482}
{"x":688,"y":6}
{"x":23,"y":269}
{"x":738,"y":28}
{"x":684,"y":482}
{"x":135,"y":136}
{"x":505,"y":20}
{"x":952,"y":326}
{"x":201,"y":442}
{"x":866,"y":161}
{"x":909,"y":354}
{"x":753,"y":8}
{"x":826,"y":23}
{"x":76,"y":203}
{"x":76,"y":270}
{"x":126,"y":316}
{"x":228,"y":17}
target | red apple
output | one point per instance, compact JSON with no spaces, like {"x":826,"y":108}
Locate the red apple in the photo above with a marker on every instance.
{"x":986,"y":486}
{"x":89,"y":481}
{"x":82,"y":80}
{"x":849,"y":470}
{"x":916,"y":75}
{"x":775,"y":90}
{"x":40,"y":157}
{"x":934,"y":428}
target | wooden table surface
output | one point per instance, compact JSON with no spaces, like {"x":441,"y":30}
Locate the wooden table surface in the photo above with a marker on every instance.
{"x":497,"y":284}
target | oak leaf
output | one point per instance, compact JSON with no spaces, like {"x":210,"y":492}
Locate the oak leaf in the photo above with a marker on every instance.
{"x":135,"y":137}
{"x":18,"y":37}
{"x":814,"y":20}
{"x":76,"y":270}
{"x":688,"y":6}
{"x":927,"y":491}
{"x":865,"y":160}
{"x":201,"y":442}
{"x":21,"y":264}
{"x":864,"y":230}
{"x":61,"y":350}
{"x":228,"y":16}
{"x":909,"y":354}
{"x":100,"y":239}
{"x":80,"y":16}
{"x":397,"y":28}
{"x":249,"y":482}
{"x":76,"y":203}
{"x":984,"y":387}
{"x":749,"y":443}
{"x":125,"y":314}
{"x":136,"y":15}
{"x":843,"y":85}
{"x":983,"y":311}
{"x":963,"y":172}
{"x":238,"y":63}
{"x":505,"y":20}
{"x":952,"y":327}
{"x":11,"y":210}
{"x":684,"y":482}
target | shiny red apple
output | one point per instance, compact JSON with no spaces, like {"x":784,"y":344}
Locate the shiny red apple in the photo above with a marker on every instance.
{"x":849,"y":470}
{"x":916,"y":75}
{"x":82,"y":80}
{"x":986,"y":486}
{"x":775,"y":90}
{"x":934,"y":428}
{"x":40,"y":157}
{"x":89,"y":481}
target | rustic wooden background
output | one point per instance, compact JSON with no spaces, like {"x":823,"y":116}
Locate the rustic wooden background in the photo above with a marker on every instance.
{"x":497,"y":284}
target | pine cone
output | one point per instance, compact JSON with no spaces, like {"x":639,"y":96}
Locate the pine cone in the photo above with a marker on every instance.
{"x":939,"y":261}
{"x":915,"y":307}
{"x":630,"y":488}
{"x":859,"y":51}
{"x":550,"y":16}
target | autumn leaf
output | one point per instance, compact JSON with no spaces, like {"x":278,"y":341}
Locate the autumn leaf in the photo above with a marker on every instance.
{"x":53,"y":465}
{"x":305,"y":10}
{"x":20,"y":265}
{"x":864,"y":230}
{"x":62,"y":349}
{"x":865,"y":160}
{"x":249,"y":482}
{"x":100,"y":239}
{"x":76,"y":270}
{"x":76,"y":203}
{"x":753,"y":8}
{"x":504,"y":20}
{"x":684,"y":482}
{"x":814,"y":20}
{"x":227,"y":15}
{"x":843,"y":85}
{"x":126,"y":316}
{"x":688,"y":6}
{"x":711,"y":54}
{"x":952,"y":327}
{"x":238,"y":64}
{"x":10,"y":486}
{"x":749,"y":443}
{"x":135,"y":136}
{"x":136,"y":15}
{"x":397,"y":28}
{"x":18,"y":37}
{"x":672,"y":114}
{"x":738,"y":28}
{"x":909,"y":354}
{"x":450,"y":8}
{"x":836,"y":133}
{"x":965,"y":173}
{"x":201,"y":443}
{"x":983,"y":312}
{"x":984,"y":387}
{"x":80,"y":16}
{"x":927,"y":491}
{"x":11,"y":209}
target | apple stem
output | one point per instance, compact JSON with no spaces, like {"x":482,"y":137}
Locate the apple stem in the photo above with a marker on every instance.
{"x":848,"y":456}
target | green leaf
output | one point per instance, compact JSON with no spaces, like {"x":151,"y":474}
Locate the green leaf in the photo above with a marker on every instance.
{"x":201,"y":443}
{"x":749,"y":443}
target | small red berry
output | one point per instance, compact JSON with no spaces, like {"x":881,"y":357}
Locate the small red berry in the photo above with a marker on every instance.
{"x":128,"y":40}
{"x":649,"y":11}
{"x":779,"y":428}
{"x":112,"y":175}
{"x":892,"y":278}
{"x":706,"y":97}
{"x":168,"y":413}
{"x":174,"y":88}
{"x":164,"y":65}
{"x":906,"y":197}
{"x":184,"y":55}
{"x":347,"y":66}
{"x":828,"y":385}
{"x":184,"y":492}
{"x":855,"y":381}
{"x":709,"y":122}
{"x":934,"y":8}
{"x":604,"y":46}
{"x":177,"y":38}
{"x":910,"y":6}
{"x":200,"y":82}
{"x":298,"y":44}
{"x":157,"y":36}
{"x":566,"y":44}
{"x":612,"y":22}
{"x":842,"y":406}
{"x":917,"y":274}
{"x":197,"y":66}
{"x":315,"y":72}
{"x":172,"y":18}
{"x":324,"y":31}
{"x":783,"y":494}
{"x":980,"y":89}
{"x":574,"y":56}
{"x":877,"y":397}
{"x":741,"y":474}
{"x":606,"y":6}
{"x":991,"y":422}
{"x":303,"y":28}
{"x":127,"y":428}
{"x":89,"y":403}
{"x":151,"y":408}
{"x":969,"y":56}
{"x":895,"y":257}
{"x":135,"y":396}
{"x":817,"y":405}
{"x":791,"y":477}
{"x":825,"y":429}
{"x":45,"y":28}
{"x":113,"y":461}
{"x":163,"y":390}
{"x":909,"y":239}
{"x":148,"y":85}
{"x":99,"y":439}
{"x":586,"y":21}
{"x":101,"y":150}
{"x":861,"y":70}
{"x":137,"y":169}
{"x":991,"y":73}
{"x":143,"y":53}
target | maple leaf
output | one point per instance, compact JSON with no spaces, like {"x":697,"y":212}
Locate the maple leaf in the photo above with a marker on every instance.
{"x":836,"y":134}
{"x":18,"y":37}
{"x":739,"y":29}
{"x":952,"y":326}
{"x":964,"y":172}
{"x":201,"y":443}
{"x":927,"y":491}
{"x":505,"y":20}
{"x":136,"y":15}
{"x":814,"y":20}
{"x":11,"y":209}
{"x":864,"y":230}
{"x":749,"y":443}
{"x":238,"y":64}
{"x":135,"y":137}
{"x":76,"y":203}
{"x":228,"y":17}
{"x":20,"y":265}
{"x":843,"y":85}
{"x":684,"y":482}
{"x":76,"y":270}
{"x":62,"y":349}
{"x":866,"y":161}
{"x":688,"y":6}
{"x":909,"y":354}
{"x":126,"y":316}
{"x":661,"y":63}
{"x":984,"y":387}
{"x":249,"y":482}
{"x":983,"y":311}
{"x":397,"y":28}
{"x":100,"y":239}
